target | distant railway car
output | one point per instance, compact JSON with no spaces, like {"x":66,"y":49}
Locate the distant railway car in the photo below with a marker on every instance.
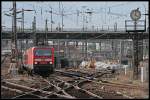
{"x":39,"y":60}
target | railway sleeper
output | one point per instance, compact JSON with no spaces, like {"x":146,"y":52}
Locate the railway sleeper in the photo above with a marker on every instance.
{"x":55,"y":95}
{"x":28,"y":96}
{"x":31,"y":93}
{"x":63,"y":85}
{"x":72,"y":88}
{"x":82,"y":82}
{"x":12,"y":89}
{"x":102,"y":81}
{"x":38,"y":92}
{"x":60,"y":89}
{"x":81,"y":93}
{"x":112,"y":83}
{"x":15,"y":87}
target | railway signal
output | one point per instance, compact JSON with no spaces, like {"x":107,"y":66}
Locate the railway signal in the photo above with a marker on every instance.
{"x":135,"y":16}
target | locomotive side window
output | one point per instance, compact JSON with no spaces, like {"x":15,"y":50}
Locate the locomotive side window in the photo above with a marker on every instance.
{"x":25,"y":57}
{"x":42,"y":52}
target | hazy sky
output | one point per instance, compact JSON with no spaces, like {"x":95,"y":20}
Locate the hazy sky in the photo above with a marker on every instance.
{"x":104,"y":13}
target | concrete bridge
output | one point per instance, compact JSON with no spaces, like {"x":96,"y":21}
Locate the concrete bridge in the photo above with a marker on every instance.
{"x":77,"y":35}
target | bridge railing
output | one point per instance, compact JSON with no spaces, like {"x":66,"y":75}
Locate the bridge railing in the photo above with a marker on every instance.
{"x":18,"y":30}
{"x":122,"y":29}
{"x":82,"y":30}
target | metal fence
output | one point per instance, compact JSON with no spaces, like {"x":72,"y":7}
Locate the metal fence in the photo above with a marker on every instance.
{"x":69,"y":30}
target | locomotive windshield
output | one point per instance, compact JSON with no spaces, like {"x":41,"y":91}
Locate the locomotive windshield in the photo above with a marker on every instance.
{"x":42,"y":52}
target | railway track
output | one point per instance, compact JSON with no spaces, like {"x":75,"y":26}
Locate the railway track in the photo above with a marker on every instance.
{"x":49,"y":91}
{"x":115,"y":90}
{"x":105,"y":94}
{"x":68,"y":89}
{"x":21,"y":91}
{"x":89,"y":76}
{"x":76,"y":85}
{"x":72,"y":89}
{"x":93,"y":79}
{"x":56,"y":88}
{"x":13,"y":89}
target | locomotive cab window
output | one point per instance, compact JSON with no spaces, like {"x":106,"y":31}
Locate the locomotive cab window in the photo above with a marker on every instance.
{"x":42,"y":52}
{"x":25,"y":57}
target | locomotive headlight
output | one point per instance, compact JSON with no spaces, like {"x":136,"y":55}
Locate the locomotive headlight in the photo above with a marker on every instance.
{"x":35,"y":62}
{"x":50,"y":62}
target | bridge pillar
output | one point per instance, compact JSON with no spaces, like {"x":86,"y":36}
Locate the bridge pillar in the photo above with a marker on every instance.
{"x":82,"y":49}
{"x":100,"y":46}
{"x":58,"y":44}
{"x":66,"y":49}
{"x":140,"y":48}
{"x":76,"y":43}
{"x":26,"y":43}
{"x":138,"y":54}
{"x":53,"y":43}
{"x":86,"y":54}
{"x":112,"y":48}
{"x":100,"y":49}
{"x":135,"y":59}
{"x":121,"y":50}
{"x":146,"y":48}
{"x":115,"y":48}
{"x":69,"y":50}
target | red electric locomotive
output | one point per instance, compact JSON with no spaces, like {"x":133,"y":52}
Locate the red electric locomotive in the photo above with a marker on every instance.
{"x":39,"y":59}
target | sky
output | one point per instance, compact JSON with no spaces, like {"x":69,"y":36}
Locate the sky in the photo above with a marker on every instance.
{"x":104,"y":13}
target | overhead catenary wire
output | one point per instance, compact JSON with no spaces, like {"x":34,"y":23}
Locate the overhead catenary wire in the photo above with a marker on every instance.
{"x":103,"y":7}
{"x":67,"y":14}
{"x":95,"y":11}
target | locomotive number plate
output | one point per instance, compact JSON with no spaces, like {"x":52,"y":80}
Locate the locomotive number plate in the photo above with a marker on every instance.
{"x":43,"y":62}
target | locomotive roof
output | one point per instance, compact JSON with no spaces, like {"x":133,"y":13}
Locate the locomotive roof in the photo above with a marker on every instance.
{"x":42,"y":47}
